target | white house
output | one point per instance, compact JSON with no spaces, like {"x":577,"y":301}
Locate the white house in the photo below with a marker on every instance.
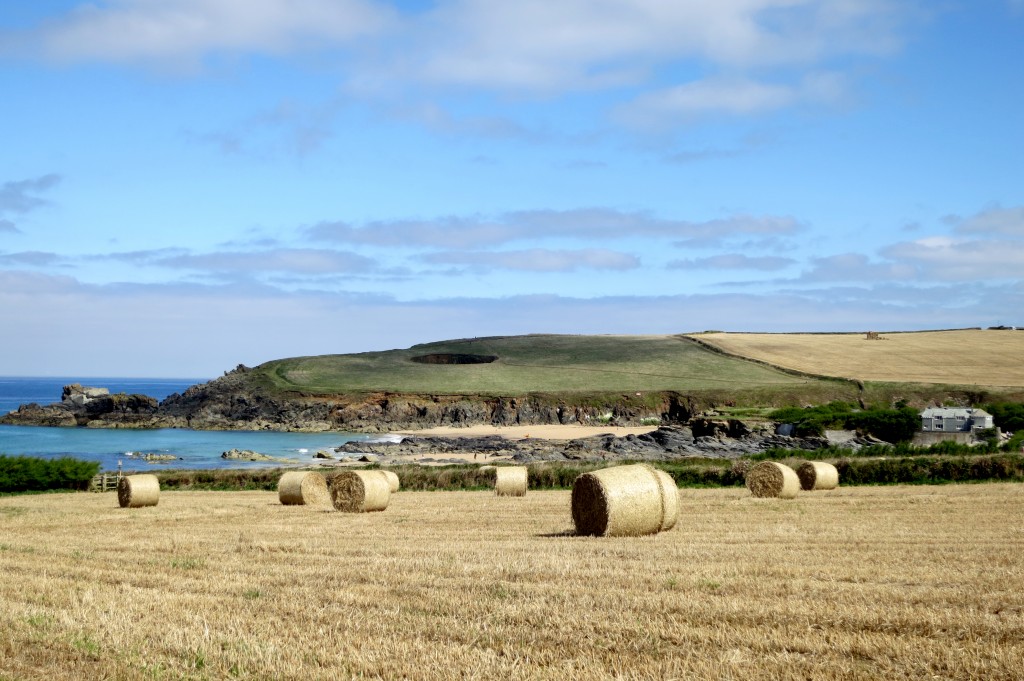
{"x":955,"y":419}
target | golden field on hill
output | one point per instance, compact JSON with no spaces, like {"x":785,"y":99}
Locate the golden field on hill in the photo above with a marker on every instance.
{"x":865,"y":583}
{"x":966,"y":357}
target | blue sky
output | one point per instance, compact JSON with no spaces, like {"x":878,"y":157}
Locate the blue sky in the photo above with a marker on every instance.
{"x":190,"y":184}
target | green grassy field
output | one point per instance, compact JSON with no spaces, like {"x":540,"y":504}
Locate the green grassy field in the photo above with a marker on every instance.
{"x":535,"y":363}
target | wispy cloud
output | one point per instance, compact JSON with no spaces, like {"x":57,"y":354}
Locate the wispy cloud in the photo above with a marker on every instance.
{"x":856,"y":267}
{"x":31,"y":258}
{"x":21,"y":196}
{"x":734,"y":261}
{"x":292,"y":127}
{"x":297,"y":260}
{"x":528,"y":45}
{"x":582,"y":224}
{"x":223,"y":313}
{"x":1004,"y":221}
{"x":180,"y":33}
{"x":538,"y":259}
{"x":754,"y":56}
{"x":949,"y":259}
{"x":732,"y":95}
{"x":6,"y":226}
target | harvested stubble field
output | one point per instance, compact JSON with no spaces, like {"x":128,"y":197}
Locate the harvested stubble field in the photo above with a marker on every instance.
{"x":857,"y":583}
{"x":960,"y":357}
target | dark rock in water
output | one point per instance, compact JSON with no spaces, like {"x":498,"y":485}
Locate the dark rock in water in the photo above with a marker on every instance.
{"x":83,"y":405}
{"x":323,"y":455}
{"x":33,"y":414}
{"x":246,"y":455}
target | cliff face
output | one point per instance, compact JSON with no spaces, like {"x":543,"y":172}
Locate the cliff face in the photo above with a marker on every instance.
{"x":236,"y":402}
{"x":232,"y":402}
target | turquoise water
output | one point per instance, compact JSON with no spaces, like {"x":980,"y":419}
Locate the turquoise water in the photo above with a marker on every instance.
{"x":195,"y":448}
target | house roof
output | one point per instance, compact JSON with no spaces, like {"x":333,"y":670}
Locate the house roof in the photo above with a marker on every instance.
{"x":953,"y":412}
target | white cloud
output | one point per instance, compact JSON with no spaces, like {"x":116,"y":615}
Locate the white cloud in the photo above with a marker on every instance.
{"x":307,"y":261}
{"x":52,"y":310}
{"x":948,"y":259}
{"x":587,"y":224}
{"x":536,"y":45}
{"x":731,"y":95}
{"x":734,"y":261}
{"x":856,"y":267}
{"x":539,"y":259}
{"x":528,"y":46}
{"x":184,"y":31}
{"x":1002,"y":221}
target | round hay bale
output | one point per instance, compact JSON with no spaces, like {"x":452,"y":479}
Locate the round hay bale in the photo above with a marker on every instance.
{"x":510,"y":481}
{"x":772,"y":479}
{"x":393,"y":480}
{"x":817,"y":475}
{"x":670,"y":500}
{"x":136,"y":491}
{"x":624,"y":501}
{"x":303,"y":488}
{"x":360,"y":491}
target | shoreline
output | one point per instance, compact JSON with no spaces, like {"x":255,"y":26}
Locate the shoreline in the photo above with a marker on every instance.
{"x":555,"y":432}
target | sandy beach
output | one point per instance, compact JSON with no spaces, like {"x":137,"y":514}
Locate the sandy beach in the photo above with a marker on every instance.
{"x":554,"y":433}
{"x":544,"y":432}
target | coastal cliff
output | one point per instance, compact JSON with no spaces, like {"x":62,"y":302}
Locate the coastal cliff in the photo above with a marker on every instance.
{"x":238,"y":401}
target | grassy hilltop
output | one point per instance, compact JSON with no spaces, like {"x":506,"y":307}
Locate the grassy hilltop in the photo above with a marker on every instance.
{"x":743,"y":369}
{"x":526,"y":364}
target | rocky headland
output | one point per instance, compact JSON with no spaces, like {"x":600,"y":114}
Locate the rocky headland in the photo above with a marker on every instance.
{"x":233,"y":402}
{"x":236,"y":402}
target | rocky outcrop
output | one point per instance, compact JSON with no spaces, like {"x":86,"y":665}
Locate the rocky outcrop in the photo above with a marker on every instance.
{"x":667,"y":442}
{"x":86,"y":406}
{"x":33,"y":414}
{"x":247,"y":455}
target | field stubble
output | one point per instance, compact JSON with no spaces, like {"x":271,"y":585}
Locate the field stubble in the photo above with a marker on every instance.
{"x":859,"y":583}
{"x":960,"y":357}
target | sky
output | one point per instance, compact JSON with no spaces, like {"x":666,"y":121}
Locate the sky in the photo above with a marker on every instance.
{"x":186,"y":185}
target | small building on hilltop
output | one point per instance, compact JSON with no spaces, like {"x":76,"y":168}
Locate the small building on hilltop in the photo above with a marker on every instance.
{"x":955,"y":420}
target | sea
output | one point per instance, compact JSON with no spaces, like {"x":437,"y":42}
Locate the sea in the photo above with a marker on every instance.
{"x":119,"y":448}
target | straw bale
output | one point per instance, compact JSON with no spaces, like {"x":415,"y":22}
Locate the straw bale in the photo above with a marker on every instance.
{"x":360,"y":491}
{"x":393,"y":480}
{"x":510,"y":481}
{"x":817,"y":475}
{"x":135,"y":491}
{"x":772,"y":479}
{"x":307,"y":488}
{"x":669,"y":499}
{"x":624,"y":501}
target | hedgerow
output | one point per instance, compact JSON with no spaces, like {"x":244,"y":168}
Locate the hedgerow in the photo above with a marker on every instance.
{"x":32,"y":474}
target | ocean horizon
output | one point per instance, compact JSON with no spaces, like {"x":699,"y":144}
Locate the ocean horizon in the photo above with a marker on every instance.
{"x":114,"y":448}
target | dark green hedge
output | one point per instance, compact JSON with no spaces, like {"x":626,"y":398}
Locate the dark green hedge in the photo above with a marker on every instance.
{"x":891,"y":425}
{"x":882,"y":470}
{"x":931,"y":470}
{"x":30,"y":474}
